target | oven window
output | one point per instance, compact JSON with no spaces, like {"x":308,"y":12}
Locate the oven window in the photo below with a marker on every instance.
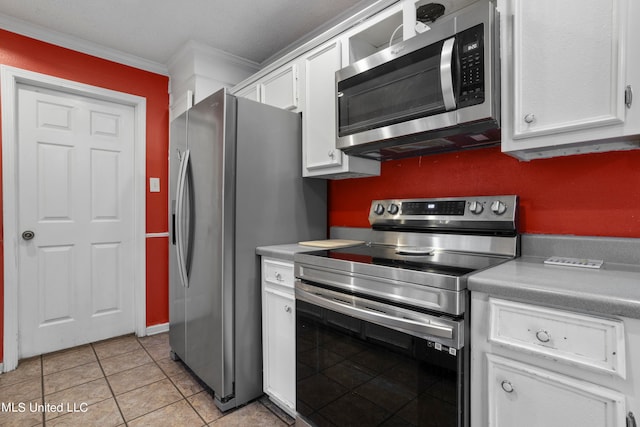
{"x":355,"y":373}
{"x":404,"y":89}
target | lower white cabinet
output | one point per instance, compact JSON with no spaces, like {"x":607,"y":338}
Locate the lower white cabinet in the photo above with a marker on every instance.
{"x":523,"y":395}
{"x":538,"y":366}
{"x":278,"y":333}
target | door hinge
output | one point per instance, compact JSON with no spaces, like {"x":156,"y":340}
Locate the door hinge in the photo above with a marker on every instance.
{"x":628,"y":96}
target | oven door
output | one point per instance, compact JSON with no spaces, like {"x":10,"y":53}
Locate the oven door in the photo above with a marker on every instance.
{"x":363,"y":362}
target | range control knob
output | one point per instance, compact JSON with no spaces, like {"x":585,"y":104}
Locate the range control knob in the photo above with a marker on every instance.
{"x":379,"y":209}
{"x":476,"y":207}
{"x":498,"y":207}
{"x":393,"y":209}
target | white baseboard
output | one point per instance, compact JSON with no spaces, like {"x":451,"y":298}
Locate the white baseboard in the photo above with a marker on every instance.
{"x":157,"y":329}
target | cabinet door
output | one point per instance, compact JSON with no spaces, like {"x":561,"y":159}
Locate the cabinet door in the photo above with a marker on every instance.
{"x":280,"y":88}
{"x":568,"y":73}
{"x":319,"y":131}
{"x":249,"y":92}
{"x":567,"y":61}
{"x":526,"y":396}
{"x":279,"y":346}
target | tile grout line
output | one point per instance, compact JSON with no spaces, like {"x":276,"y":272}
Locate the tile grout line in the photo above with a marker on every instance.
{"x":44,"y":418}
{"x":113,"y":394}
{"x":172,"y":383}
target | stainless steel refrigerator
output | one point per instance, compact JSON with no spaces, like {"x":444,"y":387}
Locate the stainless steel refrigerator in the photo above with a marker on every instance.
{"x":235,"y":184}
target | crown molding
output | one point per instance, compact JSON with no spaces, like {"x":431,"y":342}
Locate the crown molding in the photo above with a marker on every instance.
{"x":191,"y":47}
{"x":37,"y":32}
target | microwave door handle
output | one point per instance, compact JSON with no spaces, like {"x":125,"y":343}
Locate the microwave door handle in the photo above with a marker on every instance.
{"x":446,"y":74}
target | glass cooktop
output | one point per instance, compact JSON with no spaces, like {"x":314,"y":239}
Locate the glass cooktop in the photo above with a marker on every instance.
{"x":425,"y":260}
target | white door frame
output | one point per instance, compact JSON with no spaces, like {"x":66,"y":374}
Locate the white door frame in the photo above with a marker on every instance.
{"x":10,"y":77}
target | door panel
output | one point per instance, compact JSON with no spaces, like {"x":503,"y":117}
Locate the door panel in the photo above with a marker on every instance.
{"x":75,"y":174}
{"x":55,"y":267}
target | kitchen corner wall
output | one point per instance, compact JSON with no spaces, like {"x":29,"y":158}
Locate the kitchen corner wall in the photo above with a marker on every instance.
{"x":29,"y":54}
{"x":586,"y":195}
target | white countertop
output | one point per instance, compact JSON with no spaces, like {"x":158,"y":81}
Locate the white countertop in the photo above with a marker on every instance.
{"x":614,"y":289}
{"x":284,"y":252}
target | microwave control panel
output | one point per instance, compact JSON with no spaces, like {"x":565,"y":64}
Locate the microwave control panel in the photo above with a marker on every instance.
{"x":471,"y":54}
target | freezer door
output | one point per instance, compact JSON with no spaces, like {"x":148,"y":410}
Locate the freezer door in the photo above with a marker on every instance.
{"x":209,"y":252}
{"x":177,"y":291}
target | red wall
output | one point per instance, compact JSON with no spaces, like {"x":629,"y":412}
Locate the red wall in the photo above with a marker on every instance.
{"x":587,"y":195}
{"x":33,"y":55}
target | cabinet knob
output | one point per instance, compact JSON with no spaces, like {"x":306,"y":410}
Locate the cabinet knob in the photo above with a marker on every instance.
{"x":507,"y":386}
{"x":543,"y":336}
{"x":278,"y":277}
{"x":287,"y":308}
{"x":529,"y":118}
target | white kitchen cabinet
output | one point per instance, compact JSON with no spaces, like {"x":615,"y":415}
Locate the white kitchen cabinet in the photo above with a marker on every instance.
{"x":250,"y":92}
{"x":321,"y":158}
{"x":523,"y":395}
{"x":278,"y":333}
{"x":535,"y":366}
{"x":565,"y":70}
{"x":280,"y":88}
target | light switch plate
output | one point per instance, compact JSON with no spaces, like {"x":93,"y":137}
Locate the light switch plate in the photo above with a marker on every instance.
{"x":154,"y":185}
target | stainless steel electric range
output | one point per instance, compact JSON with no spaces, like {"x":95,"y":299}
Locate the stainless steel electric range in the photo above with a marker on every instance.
{"x":382,"y":327}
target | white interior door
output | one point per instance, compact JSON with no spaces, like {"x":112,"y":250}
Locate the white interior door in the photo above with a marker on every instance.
{"x":76,"y":194}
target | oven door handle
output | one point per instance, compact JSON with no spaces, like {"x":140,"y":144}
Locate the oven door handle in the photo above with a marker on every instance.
{"x":355,"y":309}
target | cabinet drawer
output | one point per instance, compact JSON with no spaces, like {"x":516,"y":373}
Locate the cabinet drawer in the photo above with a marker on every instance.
{"x":588,"y":341}
{"x":278,"y":272}
{"x":523,"y":395}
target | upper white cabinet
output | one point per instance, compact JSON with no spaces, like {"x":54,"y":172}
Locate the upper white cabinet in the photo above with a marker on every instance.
{"x":567,"y":73}
{"x":321,"y":158}
{"x":249,"y":92}
{"x":280,"y":88}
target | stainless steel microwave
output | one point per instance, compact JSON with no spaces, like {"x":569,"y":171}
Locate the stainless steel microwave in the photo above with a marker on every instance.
{"x":438,"y":91}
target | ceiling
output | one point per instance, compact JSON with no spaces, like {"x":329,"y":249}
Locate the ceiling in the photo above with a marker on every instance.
{"x":155,"y":30}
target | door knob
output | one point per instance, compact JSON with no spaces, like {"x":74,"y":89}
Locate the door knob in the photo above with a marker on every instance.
{"x":28,"y":235}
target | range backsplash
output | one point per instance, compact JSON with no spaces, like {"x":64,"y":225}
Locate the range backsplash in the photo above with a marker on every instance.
{"x":585,"y":195}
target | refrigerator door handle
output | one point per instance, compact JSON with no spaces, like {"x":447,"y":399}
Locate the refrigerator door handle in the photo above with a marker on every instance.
{"x":179,"y":229}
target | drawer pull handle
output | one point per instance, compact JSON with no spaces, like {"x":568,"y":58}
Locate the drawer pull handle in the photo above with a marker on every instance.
{"x":507,"y":386}
{"x":278,"y":277}
{"x":543,"y":336}
{"x":287,"y":309}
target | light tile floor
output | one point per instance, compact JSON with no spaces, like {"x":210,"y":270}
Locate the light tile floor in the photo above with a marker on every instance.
{"x":122,"y":381}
